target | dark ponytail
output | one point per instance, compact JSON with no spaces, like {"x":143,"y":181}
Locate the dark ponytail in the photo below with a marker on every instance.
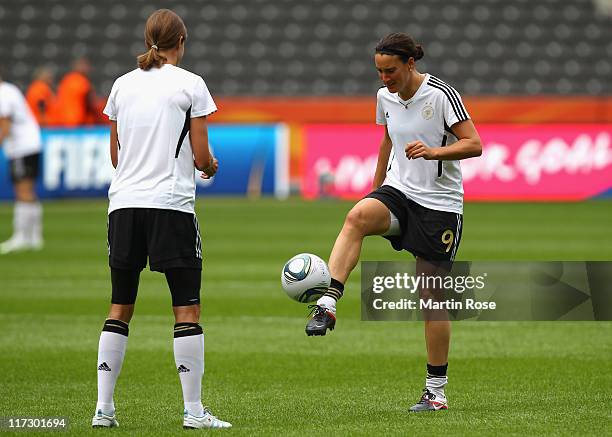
{"x":419,"y":52}
{"x":400,"y":44}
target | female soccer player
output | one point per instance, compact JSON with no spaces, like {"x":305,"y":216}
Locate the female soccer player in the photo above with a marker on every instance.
{"x":21,"y":140}
{"x":417,"y":202}
{"x":158,"y":138}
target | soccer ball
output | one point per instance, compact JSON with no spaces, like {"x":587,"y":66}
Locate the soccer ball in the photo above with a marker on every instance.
{"x":305,"y":277}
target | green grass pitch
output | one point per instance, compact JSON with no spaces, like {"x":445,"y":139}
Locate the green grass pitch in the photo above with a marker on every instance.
{"x":262,"y":373}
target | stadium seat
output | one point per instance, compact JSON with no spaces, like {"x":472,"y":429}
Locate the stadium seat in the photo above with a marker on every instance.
{"x":316,"y":47}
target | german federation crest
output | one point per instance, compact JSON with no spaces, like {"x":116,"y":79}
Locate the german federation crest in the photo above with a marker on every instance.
{"x":427,"y":112}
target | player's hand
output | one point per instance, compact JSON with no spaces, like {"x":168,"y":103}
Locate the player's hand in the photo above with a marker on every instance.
{"x":416,"y":149}
{"x":210,"y":171}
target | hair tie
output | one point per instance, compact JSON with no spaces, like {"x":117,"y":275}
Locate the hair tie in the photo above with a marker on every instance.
{"x":154,"y":46}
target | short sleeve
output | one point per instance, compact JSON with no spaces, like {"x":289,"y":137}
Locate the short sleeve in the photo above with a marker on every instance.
{"x":452,"y":106}
{"x":6,"y":106}
{"x":202,"y":102}
{"x":111,"y":108}
{"x":380,"y":111}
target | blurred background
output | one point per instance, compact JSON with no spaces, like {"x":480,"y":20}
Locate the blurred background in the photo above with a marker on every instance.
{"x":296,"y":79}
{"x":317,"y":47}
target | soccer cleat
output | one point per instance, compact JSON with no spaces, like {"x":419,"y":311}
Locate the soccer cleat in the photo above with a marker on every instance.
{"x":101,"y":420}
{"x":430,"y":402}
{"x":207,"y":421}
{"x":17,"y":243}
{"x":322,"y":319}
{"x":14,"y":244}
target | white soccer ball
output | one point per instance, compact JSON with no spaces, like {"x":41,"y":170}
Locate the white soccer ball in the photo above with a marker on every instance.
{"x":305,"y":277}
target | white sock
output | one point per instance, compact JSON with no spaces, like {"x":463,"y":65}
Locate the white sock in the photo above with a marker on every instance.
{"x":189,"y":359}
{"x":20,"y":219}
{"x":31,"y":223}
{"x":111,"y":351}
{"x":34,"y":222}
{"x":436,"y":384}
{"x":327,"y":302}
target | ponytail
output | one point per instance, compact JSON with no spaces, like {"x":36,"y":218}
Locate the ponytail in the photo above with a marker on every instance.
{"x":150,"y":59}
{"x":402,"y":45}
{"x":419,"y":52}
{"x":164,"y":30}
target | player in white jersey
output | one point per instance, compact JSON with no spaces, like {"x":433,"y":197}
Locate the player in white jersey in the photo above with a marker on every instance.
{"x":21,"y":141}
{"x":158,"y":140}
{"x":417,"y":202}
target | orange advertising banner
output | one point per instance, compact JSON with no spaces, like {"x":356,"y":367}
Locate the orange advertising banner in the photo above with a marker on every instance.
{"x":518,"y":109}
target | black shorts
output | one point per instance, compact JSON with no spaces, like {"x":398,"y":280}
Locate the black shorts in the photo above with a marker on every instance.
{"x":170,"y":239}
{"x":26,"y":167}
{"x":427,"y":233}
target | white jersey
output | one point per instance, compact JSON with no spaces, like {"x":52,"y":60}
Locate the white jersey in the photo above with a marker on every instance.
{"x":429,"y":117}
{"x":153,"y":110}
{"x":24,"y":136}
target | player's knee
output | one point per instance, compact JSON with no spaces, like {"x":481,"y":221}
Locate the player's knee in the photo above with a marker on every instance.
{"x":24,"y":191}
{"x":425,"y":294}
{"x":433,"y":294}
{"x":121,"y":312}
{"x":188,"y":313}
{"x":356,"y":221}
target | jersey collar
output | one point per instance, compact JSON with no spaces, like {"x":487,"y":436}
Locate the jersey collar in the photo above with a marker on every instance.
{"x":419,"y":91}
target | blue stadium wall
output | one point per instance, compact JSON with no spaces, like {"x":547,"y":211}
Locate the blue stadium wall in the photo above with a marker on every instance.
{"x":76,"y":163}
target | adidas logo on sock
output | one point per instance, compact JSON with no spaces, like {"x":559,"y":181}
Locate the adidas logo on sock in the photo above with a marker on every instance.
{"x":181,"y":369}
{"x":104,"y":367}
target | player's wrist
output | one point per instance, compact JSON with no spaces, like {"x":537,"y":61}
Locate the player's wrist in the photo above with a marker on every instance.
{"x":211,"y":164}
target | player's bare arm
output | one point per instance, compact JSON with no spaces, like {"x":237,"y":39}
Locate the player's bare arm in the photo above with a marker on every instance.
{"x":114,"y":144}
{"x":5,"y":128}
{"x":383,"y":160}
{"x":467,"y":146}
{"x":198,"y":135}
